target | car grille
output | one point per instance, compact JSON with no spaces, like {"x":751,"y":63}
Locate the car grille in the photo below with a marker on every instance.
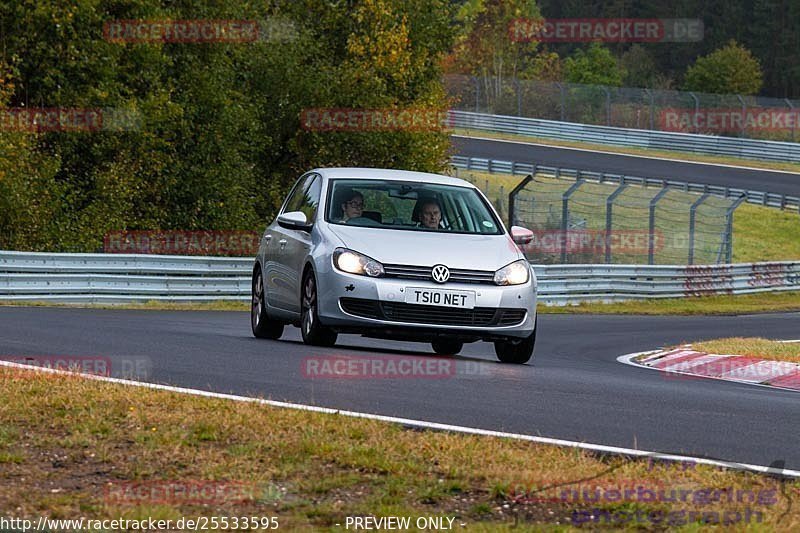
{"x":432,"y":314}
{"x":424,"y":273}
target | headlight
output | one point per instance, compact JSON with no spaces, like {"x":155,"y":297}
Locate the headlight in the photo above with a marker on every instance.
{"x":356,"y":263}
{"x":516,"y":273}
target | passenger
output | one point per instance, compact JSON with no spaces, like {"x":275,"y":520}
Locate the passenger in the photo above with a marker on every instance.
{"x":353,"y":205}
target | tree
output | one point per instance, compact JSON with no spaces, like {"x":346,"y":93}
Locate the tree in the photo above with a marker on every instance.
{"x":220,"y":138}
{"x":595,"y":66}
{"x":639,"y":66}
{"x":487,"y":46}
{"x":731,"y":69}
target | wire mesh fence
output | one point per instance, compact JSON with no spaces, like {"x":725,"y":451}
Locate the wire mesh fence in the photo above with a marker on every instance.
{"x":575,"y":219}
{"x":731,"y":115}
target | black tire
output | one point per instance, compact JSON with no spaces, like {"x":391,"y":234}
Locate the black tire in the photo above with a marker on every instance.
{"x":516,"y":352}
{"x":446,"y":347}
{"x":262,"y":325}
{"x":313,"y":332}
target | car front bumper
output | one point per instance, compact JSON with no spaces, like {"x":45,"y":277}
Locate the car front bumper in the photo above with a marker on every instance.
{"x":500,"y":312}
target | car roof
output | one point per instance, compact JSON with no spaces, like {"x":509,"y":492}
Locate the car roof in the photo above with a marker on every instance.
{"x":389,"y":174}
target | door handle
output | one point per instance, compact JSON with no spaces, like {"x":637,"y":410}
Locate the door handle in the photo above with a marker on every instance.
{"x":267,"y":238}
{"x":282,"y":242}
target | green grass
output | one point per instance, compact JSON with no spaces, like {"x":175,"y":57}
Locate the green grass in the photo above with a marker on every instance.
{"x":771,"y":302}
{"x":752,"y":347}
{"x":764,"y":234}
{"x":71,"y":443}
{"x":665,"y":154}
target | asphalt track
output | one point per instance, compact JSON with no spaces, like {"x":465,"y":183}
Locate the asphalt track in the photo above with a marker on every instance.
{"x":755,"y":179}
{"x":574,"y":390}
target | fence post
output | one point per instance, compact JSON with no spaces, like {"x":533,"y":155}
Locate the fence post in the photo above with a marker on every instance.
{"x":512,"y":197}
{"x":609,"y":216}
{"x":696,"y":110}
{"x":651,"y":235}
{"x":608,"y":105}
{"x":565,"y":217}
{"x":791,"y":112}
{"x":519,"y":97}
{"x":563,"y":102}
{"x":729,"y":228}
{"x":692,"y":218}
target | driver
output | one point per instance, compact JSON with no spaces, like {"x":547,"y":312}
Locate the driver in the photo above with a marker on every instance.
{"x":430,"y":215}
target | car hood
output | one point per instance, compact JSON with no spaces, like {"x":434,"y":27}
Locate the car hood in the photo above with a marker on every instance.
{"x":422,"y":248}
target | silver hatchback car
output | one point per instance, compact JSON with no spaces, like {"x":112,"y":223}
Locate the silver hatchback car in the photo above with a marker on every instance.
{"x":396,"y":255}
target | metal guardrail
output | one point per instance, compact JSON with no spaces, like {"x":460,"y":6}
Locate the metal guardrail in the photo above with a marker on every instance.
{"x":99,"y":278}
{"x":649,"y":139}
{"x":735,"y":115}
{"x":492,"y":166}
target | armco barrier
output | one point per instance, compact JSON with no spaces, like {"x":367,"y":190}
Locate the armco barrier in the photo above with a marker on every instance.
{"x":650,"y":139}
{"x":28,"y":276}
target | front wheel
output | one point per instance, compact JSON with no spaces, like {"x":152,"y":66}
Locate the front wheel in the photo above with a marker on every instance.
{"x":443,"y":347}
{"x":313,"y":332}
{"x":516,"y":352}
{"x":263,"y":327}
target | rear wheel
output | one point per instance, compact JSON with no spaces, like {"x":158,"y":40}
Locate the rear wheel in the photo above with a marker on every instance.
{"x":446,"y":347}
{"x":516,"y":352}
{"x":263,"y":327}
{"x":313,"y":332}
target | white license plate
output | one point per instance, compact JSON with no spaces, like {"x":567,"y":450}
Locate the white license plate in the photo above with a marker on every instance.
{"x":440,"y":297}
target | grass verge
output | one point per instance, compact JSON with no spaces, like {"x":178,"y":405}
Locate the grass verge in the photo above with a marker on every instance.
{"x":72,"y":447}
{"x":752,"y":347}
{"x":767,"y":302}
{"x":660,"y":154}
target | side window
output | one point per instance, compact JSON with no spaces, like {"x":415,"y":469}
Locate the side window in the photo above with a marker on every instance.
{"x":305,"y":196}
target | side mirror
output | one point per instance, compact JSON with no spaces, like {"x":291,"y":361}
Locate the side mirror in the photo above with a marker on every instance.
{"x":294,"y":220}
{"x":521,"y":235}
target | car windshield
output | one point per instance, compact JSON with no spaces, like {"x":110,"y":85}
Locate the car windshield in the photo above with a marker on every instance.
{"x":410,"y":206}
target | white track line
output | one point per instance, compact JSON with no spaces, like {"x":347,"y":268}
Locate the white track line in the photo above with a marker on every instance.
{"x":628,"y":360}
{"x":432,"y":425}
{"x":723,"y":165}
